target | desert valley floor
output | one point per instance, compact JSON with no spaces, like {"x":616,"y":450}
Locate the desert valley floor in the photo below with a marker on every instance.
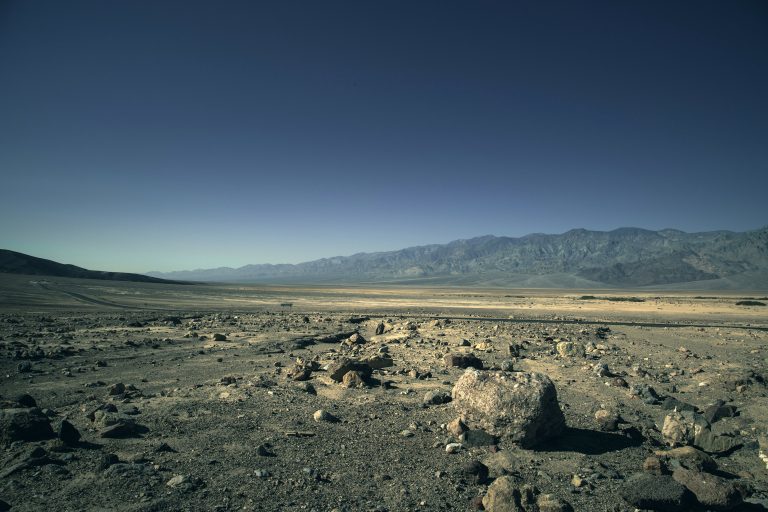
{"x":144,"y":397}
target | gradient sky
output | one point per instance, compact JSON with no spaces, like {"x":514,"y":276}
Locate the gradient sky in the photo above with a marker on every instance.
{"x":161,"y":135}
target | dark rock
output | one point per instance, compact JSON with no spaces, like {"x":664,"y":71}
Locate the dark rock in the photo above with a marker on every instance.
{"x":219,"y":337}
{"x":380,"y":328}
{"x":68,"y":434}
{"x":689,"y":457}
{"x":123,"y":428}
{"x":472,"y":438}
{"x":655,"y":492}
{"x":164,"y":447}
{"x":711,"y":491}
{"x":437,"y":397}
{"x":334,"y":338}
{"x":4,"y":506}
{"x":646,"y":393}
{"x":475,"y":472}
{"x":91,"y":415}
{"x":338,"y":369}
{"x":455,"y":360}
{"x":107,"y":460}
{"x":26,"y":401}
{"x":719,"y":410}
{"x":671,"y":403}
{"x":716,"y":443}
{"x":117,"y":389}
{"x":24,"y":367}
{"x":29,"y":424}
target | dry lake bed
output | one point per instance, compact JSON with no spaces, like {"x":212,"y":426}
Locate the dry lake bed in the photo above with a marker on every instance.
{"x":143,"y":397}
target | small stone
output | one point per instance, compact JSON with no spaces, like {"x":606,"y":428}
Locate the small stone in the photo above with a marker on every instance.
{"x":323,"y":415}
{"x":183,"y":482}
{"x":307,"y":387}
{"x":654,"y":465}
{"x":550,"y":503}
{"x":263,"y":451}
{"x":355,"y":339}
{"x":353,"y":379}
{"x":68,"y":434}
{"x":478,"y":437}
{"x":117,"y":389}
{"x":577,"y":481}
{"x":123,"y":428}
{"x":455,"y":360}
{"x":437,"y":397}
{"x":261,"y":473}
{"x":338,"y":369}
{"x":107,"y":460}
{"x":475,"y":472}
{"x":219,"y":337}
{"x":453,"y":447}
{"x":503,"y":495}
{"x":608,"y":421}
{"x":456,"y":427}
{"x":570,"y":349}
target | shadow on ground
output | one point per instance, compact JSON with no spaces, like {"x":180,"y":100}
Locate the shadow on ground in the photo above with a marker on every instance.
{"x":591,"y":442}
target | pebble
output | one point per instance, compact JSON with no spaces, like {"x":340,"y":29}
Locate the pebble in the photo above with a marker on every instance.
{"x":453,"y":447}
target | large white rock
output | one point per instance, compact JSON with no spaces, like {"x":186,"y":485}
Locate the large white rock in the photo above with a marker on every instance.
{"x":518,"y":406}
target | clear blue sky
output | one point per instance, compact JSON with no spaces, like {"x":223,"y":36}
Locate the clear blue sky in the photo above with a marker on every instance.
{"x":159,"y":135}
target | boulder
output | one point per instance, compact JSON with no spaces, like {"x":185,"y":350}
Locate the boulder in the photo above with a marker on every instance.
{"x":29,"y":424}
{"x":68,"y":434}
{"x":688,"y":428}
{"x":655,"y":492}
{"x":713,"y":492}
{"x":338,"y":369}
{"x":689,"y":457}
{"x":521,"y":407}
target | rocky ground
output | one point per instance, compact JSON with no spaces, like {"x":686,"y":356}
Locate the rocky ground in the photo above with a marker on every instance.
{"x":360,"y":411}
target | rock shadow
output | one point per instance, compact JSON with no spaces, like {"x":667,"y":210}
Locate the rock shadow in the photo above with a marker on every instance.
{"x":590,"y":442}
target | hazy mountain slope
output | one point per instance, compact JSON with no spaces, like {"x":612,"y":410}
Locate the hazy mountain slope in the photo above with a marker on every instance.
{"x":623,"y":257}
{"x":12,"y":262}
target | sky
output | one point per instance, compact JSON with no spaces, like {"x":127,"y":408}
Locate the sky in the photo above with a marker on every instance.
{"x":165,"y":135}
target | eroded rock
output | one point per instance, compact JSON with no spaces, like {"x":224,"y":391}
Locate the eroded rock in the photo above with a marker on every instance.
{"x":521,"y":406}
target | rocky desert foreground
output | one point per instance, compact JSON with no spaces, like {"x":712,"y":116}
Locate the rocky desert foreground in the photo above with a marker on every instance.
{"x":145,"y":397}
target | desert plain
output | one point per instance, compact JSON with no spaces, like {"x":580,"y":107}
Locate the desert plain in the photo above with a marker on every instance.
{"x":237,"y":397}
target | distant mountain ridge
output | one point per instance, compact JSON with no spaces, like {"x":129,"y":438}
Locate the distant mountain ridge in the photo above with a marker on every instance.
{"x":12,"y":262}
{"x":625,"y":257}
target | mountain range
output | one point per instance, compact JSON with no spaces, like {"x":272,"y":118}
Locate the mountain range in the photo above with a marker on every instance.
{"x":12,"y":262}
{"x":625,"y":257}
